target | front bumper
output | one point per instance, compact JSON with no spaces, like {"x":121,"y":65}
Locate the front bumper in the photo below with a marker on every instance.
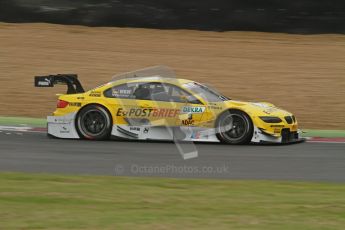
{"x":289,"y":136}
{"x":286,"y":136}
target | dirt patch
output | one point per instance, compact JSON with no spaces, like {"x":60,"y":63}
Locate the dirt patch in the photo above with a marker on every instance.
{"x":303,"y":74}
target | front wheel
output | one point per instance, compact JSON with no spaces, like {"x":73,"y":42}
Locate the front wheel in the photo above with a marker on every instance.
{"x":234,"y":127}
{"x":94,"y":122}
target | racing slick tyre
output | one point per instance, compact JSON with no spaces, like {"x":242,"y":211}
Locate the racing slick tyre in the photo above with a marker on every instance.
{"x":234,"y":127}
{"x":94,"y":122}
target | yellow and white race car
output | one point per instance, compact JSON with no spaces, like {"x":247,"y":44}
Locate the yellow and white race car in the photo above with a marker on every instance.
{"x":152,"y":104}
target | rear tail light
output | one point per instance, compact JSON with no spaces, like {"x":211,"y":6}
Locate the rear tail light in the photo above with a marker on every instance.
{"x":61,"y":104}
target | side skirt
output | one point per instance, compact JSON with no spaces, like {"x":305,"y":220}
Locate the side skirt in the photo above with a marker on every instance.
{"x":187,"y":133}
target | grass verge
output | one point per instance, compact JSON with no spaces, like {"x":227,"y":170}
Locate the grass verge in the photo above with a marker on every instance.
{"x":39,"y":201}
{"x":23,"y":121}
{"x":324,"y":133}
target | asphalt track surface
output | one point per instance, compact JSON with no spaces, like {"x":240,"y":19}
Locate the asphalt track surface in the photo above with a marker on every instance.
{"x":35,"y":152}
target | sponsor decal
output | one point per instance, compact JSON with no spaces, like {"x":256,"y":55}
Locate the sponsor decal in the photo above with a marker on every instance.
{"x":195,"y":135}
{"x":132,"y":128}
{"x":270,"y":110}
{"x":77,"y":104}
{"x":127,"y":133}
{"x":193,"y":109}
{"x":215,"y":107}
{"x":43,"y":83}
{"x":121,"y":92}
{"x":209,"y":122}
{"x":64,"y":129}
{"x":188,"y":122}
{"x":146,"y":130}
{"x":62,"y":120}
{"x":95,"y":94}
{"x":147,"y":112}
{"x":46,"y":82}
{"x":200,"y":135}
{"x":277,"y":126}
{"x":262,"y":105}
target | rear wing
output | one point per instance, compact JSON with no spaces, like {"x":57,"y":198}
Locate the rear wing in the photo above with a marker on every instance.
{"x":71,"y":80}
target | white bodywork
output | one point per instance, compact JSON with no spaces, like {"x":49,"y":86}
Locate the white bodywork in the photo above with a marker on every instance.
{"x":62,"y":126}
{"x":187,"y":133}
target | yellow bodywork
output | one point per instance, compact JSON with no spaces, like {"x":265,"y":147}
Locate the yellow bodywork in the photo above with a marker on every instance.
{"x":170,"y":113}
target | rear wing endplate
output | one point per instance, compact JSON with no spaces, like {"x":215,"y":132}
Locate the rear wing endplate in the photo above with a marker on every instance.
{"x":71,"y":80}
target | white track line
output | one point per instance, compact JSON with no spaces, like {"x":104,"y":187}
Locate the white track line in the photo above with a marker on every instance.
{"x":19,"y":129}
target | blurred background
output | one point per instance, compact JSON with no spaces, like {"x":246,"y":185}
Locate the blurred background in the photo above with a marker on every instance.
{"x":302,"y":16}
{"x":290,"y":53}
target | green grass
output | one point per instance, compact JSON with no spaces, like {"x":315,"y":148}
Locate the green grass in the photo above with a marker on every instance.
{"x":40,"y":201}
{"x":23,"y":121}
{"x":323,"y":133}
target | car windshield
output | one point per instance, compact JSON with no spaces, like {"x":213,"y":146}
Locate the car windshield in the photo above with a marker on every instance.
{"x":206,"y":93}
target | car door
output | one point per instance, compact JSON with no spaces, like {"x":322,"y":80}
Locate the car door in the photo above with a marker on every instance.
{"x":135,"y":104}
{"x":121,"y":100}
{"x":191,"y":109}
{"x":154,"y":104}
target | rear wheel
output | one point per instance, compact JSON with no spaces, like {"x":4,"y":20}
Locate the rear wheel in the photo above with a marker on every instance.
{"x":94,"y":122}
{"x":234,"y":127}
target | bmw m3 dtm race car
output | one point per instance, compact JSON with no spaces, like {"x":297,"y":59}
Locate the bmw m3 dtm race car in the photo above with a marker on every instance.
{"x":152,"y":104}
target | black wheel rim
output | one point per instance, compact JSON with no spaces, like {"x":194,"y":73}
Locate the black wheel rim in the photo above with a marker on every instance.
{"x":233,"y":127}
{"x":93,"y":122}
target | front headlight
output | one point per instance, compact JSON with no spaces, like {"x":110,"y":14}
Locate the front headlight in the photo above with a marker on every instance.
{"x":269,"y":119}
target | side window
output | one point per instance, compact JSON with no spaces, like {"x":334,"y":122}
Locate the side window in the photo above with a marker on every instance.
{"x":125,"y":91}
{"x":159,"y":91}
{"x":155,"y":91}
{"x":137,"y":91}
{"x":172,"y":93}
